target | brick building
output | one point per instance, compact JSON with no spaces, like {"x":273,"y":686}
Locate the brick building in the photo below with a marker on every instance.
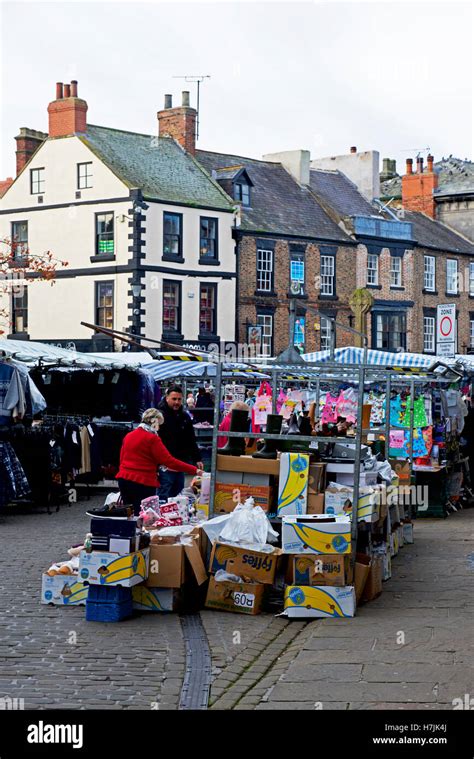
{"x":286,"y":246}
{"x":409,"y":261}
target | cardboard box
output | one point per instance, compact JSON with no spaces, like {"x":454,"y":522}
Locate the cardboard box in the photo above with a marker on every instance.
{"x":247,"y":464}
{"x":362,"y":569}
{"x":366,"y":479}
{"x":156,"y":599}
{"x":315,"y":503}
{"x":63,"y":590}
{"x":338,"y":500}
{"x":103,"y":568}
{"x":401,"y":541}
{"x":316,"y":534}
{"x":408,"y":533}
{"x":168,"y":567}
{"x":242,"y":598}
{"x":317,"y":570}
{"x":244,"y":478}
{"x":384,"y":553}
{"x":373,"y":586}
{"x":227,"y":496}
{"x":293,"y":483}
{"x":316,"y":479}
{"x":258,"y":566}
{"x":321,"y":602}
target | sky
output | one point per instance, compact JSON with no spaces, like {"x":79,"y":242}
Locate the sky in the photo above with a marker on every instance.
{"x":396,"y":77}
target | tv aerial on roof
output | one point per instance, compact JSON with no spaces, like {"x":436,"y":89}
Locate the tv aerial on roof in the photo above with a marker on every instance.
{"x":198,"y":81}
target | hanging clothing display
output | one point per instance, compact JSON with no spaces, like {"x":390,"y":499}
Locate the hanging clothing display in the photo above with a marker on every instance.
{"x":329,"y":412}
{"x":346,"y":405}
{"x":13,"y":481}
{"x":377,"y":412}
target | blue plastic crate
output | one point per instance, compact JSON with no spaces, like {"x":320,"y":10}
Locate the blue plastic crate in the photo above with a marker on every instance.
{"x":108,"y":612}
{"x":104,"y":594}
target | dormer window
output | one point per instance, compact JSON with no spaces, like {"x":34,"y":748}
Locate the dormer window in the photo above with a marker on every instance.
{"x":242,"y":192}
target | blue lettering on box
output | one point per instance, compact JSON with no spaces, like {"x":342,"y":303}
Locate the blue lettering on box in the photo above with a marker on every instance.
{"x":297,"y":596}
{"x":339,"y":543}
{"x":48,"y":595}
{"x":84,"y":573}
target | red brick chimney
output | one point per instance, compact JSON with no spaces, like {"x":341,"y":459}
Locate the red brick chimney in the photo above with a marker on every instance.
{"x":179,"y":123}
{"x":27,"y":143}
{"x":417,"y":189}
{"x":68,"y":113}
{"x":5,"y":184}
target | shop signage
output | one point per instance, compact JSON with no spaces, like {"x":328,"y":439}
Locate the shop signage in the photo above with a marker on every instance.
{"x":446,"y":330}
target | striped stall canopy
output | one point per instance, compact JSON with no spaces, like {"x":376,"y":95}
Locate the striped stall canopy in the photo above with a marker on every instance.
{"x":374,"y":358}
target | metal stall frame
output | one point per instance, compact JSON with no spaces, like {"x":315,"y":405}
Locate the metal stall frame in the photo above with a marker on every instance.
{"x":329,"y":373}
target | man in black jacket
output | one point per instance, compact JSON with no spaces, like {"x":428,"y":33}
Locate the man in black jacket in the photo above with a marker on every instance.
{"x":177,"y":433}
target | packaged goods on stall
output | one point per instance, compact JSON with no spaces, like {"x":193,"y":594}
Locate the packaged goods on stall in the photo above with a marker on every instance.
{"x":256,"y":563}
{"x":317,"y":570}
{"x":304,"y":601}
{"x":234,"y":595}
{"x":317,"y":534}
{"x":293,"y":483}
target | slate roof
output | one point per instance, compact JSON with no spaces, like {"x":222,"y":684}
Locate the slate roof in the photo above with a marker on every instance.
{"x":156,"y":165}
{"x":454,"y":176}
{"x":279,"y":204}
{"x":337,"y":191}
{"x":433,"y":234}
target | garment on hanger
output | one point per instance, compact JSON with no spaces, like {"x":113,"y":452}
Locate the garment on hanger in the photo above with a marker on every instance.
{"x":329,"y":412}
{"x":13,"y":481}
{"x":377,"y":412}
{"x":346,"y":405}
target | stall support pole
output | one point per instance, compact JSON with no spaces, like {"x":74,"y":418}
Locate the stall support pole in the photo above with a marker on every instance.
{"x":388,"y":393}
{"x":412,"y":435}
{"x":316,"y":412}
{"x":355,"y":494}
{"x":215,"y":432}
{"x":274,"y":391}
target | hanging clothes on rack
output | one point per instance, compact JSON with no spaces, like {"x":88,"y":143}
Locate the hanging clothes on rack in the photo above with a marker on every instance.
{"x":13,"y":481}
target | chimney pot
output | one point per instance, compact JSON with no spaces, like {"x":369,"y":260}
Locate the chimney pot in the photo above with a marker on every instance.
{"x":59,"y":90}
{"x":168,"y":101}
{"x":74,"y":88}
{"x":185,"y":101}
{"x":353,"y":149}
{"x":67,"y":90}
{"x":409,"y":165}
{"x":430,"y":160}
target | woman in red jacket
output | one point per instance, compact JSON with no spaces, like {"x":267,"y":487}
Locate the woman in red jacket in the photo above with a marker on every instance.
{"x":141,"y":455}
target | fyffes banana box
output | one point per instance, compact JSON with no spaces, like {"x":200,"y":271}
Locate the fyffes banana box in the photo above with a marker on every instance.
{"x":63,"y":590}
{"x":293,"y":483}
{"x":259,"y":566}
{"x":316,"y":534}
{"x":305,"y":601}
{"x":155,"y":599}
{"x":105,"y":568}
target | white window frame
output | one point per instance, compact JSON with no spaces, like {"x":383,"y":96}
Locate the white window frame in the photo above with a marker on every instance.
{"x":471,"y":278}
{"x":327,"y":275}
{"x":372,"y":271}
{"x":325,"y":333}
{"x":429,"y":274}
{"x":84,"y":175}
{"x":264,"y":270}
{"x":429,"y":334}
{"x":265,"y":321}
{"x":449,"y":276}
{"x":37,"y":181}
{"x":396,"y":277}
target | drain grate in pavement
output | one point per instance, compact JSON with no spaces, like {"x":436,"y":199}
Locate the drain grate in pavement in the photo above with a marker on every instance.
{"x":197,"y":677}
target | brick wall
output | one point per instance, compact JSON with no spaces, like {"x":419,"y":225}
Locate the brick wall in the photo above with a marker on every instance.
{"x":180,"y":124}
{"x":249,"y":301}
{"x":67,"y":116}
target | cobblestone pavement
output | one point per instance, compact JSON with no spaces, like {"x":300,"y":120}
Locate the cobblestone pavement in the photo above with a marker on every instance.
{"x":138,"y":664}
{"x":411,"y":648}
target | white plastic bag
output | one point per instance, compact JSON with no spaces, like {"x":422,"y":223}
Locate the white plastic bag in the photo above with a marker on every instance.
{"x":248,"y":524}
{"x":223,"y":576}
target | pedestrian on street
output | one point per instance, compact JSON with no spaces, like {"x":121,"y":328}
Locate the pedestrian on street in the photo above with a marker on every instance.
{"x":142,"y":453}
{"x":177,"y":433}
{"x":204,"y":407}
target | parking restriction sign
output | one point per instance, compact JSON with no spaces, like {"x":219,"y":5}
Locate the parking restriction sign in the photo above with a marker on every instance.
{"x":446,"y":330}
